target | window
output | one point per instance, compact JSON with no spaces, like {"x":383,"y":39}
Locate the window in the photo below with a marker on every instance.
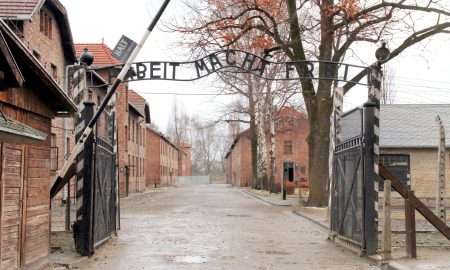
{"x":399,"y":166}
{"x":137,"y":132}
{"x":132,"y":130}
{"x":302,"y":170}
{"x":53,"y":153}
{"x":280,"y":123}
{"x":49,"y":30}
{"x":126,"y":138}
{"x":287,"y":147}
{"x":129,"y":130}
{"x":45,"y":24}
{"x":54,"y":71}
{"x":42,"y":22}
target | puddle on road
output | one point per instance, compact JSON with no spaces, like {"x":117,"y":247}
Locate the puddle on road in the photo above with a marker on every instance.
{"x":190,"y":259}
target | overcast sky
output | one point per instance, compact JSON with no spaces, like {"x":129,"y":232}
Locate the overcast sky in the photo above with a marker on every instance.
{"x":421,"y":74}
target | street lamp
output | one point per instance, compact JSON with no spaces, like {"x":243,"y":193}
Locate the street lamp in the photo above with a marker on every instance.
{"x":86,"y":58}
{"x":382,"y":54}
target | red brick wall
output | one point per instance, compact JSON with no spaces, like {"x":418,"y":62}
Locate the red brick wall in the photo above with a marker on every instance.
{"x":50,"y":50}
{"x":241,"y":164}
{"x":136,"y":152}
{"x":153,"y":159}
{"x":162,"y":167}
{"x":187,"y":160}
{"x":169,"y":163}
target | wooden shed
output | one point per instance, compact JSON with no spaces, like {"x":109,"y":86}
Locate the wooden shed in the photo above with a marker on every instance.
{"x":29,"y":99}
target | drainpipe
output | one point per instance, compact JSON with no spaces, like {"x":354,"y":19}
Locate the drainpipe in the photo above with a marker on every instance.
{"x":139,"y":158}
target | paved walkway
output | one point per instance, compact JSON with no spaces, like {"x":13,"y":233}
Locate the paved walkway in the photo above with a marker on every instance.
{"x":217,"y":227}
{"x":429,"y":257}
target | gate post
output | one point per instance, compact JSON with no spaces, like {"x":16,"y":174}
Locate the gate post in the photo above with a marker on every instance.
{"x":370,"y":229}
{"x":82,"y":228}
{"x":387,"y":230}
{"x":410,"y":224}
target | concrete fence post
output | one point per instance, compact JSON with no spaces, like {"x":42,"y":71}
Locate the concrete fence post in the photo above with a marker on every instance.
{"x":387,"y":231}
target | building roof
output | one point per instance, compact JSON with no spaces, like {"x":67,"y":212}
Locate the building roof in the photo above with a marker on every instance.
{"x":20,"y":10}
{"x":236,"y":140}
{"x":163,"y":136}
{"x":135,"y":110}
{"x":102,"y":54}
{"x":413,"y":125}
{"x":140,"y":104}
{"x":47,"y":86}
{"x":14,"y":131}
{"x":137,"y":100}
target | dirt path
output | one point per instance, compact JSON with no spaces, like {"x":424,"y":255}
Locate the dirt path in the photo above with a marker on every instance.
{"x":216,"y":227}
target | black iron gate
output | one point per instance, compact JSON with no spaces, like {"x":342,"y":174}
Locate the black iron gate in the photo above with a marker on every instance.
{"x":104,"y":180}
{"x":353,"y":215}
{"x":96,"y":184}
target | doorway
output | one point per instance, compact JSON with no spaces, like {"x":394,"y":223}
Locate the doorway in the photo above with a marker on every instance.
{"x":288,"y":171}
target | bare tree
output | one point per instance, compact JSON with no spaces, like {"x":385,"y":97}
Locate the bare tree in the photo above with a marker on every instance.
{"x":327,"y":30}
{"x":388,"y":86}
{"x":205,"y":147}
{"x":179,"y":122}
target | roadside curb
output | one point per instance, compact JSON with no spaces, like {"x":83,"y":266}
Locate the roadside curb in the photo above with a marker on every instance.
{"x":321,"y":224}
{"x":286,"y":203}
{"x":146,"y":192}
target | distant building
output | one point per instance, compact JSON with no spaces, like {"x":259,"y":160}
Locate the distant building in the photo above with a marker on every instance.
{"x":138,"y":117}
{"x":291,"y":153}
{"x":409,"y":139}
{"x":162,"y":162}
{"x":28,"y":82}
{"x":184,"y":160}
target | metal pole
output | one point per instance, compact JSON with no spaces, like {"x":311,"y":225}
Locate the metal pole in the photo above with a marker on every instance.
{"x":59,"y":182}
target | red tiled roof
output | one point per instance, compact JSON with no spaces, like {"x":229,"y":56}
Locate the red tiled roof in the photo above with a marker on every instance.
{"x":137,"y":101}
{"x":102,"y":54}
{"x":14,"y":9}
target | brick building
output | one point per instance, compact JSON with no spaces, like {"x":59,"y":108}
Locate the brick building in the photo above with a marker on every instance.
{"x":291,"y":152}
{"x":184,"y":160}
{"x":138,"y":117}
{"x":162,"y":167}
{"x":26,"y":86}
{"x":130,"y":118}
{"x":44,"y":28}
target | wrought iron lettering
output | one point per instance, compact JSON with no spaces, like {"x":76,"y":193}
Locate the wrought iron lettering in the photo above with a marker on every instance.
{"x":242,"y":62}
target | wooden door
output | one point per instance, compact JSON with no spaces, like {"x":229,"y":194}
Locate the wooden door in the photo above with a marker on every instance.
{"x":11,"y":203}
